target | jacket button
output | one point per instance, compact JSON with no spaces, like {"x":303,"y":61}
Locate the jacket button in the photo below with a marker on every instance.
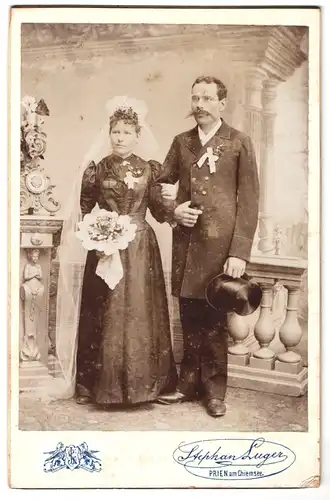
{"x":203,"y":192}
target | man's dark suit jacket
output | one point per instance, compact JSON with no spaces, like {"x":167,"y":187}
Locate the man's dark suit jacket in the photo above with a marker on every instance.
{"x":229,"y":199}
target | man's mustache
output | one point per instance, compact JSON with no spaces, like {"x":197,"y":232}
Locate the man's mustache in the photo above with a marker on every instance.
{"x":199,"y":112}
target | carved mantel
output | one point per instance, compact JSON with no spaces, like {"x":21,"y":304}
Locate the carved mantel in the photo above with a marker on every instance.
{"x":41,"y":225}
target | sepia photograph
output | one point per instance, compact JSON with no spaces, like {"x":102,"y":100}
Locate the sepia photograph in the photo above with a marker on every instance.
{"x":163,"y":202}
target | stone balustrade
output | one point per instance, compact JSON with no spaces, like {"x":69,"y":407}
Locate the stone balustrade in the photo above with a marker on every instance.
{"x":255,"y":364}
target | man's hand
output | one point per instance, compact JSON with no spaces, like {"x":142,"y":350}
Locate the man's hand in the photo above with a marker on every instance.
{"x":185,"y":215}
{"x":169,"y":191}
{"x":234,"y":267}
{"x":99,"y":254}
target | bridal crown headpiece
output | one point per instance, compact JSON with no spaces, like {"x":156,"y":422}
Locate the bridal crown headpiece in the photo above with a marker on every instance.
{"x":124,"y":107}
{"x":128,"y":115}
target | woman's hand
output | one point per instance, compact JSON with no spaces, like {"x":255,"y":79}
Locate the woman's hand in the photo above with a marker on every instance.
{"x":169,"y":191}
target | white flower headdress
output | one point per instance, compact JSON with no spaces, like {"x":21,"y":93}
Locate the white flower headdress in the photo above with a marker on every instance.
{"x":128,"y":103}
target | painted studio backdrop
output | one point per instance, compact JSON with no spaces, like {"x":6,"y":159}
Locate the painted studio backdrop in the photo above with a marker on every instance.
{"x":75,"y":69}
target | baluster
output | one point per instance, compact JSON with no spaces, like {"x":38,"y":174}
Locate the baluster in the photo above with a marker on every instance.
{"x":238,"y":329}
{"x":290,"y":334}
{"x":264,"y":331}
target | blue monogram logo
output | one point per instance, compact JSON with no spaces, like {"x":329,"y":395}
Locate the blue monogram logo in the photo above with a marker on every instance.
{"x":72,"y":457}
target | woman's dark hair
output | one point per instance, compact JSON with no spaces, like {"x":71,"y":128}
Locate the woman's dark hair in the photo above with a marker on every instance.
{"x":221,"y":88}
{"x":128,"y":116}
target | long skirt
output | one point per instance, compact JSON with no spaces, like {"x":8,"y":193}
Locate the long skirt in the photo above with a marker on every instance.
{"x":124,"y":344}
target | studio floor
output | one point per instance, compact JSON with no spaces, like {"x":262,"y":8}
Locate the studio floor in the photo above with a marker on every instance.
{"x":247,"y":410}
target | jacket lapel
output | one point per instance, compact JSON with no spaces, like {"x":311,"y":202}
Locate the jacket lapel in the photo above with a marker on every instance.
{"x":192,"y":141}
{"x":216,"y":142}
{"x":224,"y":131}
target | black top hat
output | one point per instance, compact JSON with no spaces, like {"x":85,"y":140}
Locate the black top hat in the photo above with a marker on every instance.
{"x":228,"y":294}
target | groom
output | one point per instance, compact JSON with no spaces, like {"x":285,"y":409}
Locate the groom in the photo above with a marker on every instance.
{"x":214,"y":218}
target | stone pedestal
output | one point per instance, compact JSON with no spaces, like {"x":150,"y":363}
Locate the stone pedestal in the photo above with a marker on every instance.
{"x":239,"y":359}
{"x":272,"y":381}
{"x":37,"y":234}
{"x":33,"y":375}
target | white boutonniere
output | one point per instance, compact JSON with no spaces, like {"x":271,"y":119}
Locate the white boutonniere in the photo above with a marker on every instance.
{"x":211,"y":158}
{"x":220,"y":149}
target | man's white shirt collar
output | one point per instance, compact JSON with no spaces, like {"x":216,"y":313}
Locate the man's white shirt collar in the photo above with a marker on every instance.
{"x":204,"y":138}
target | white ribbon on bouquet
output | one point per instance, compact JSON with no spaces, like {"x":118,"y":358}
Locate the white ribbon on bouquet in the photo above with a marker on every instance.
{"x":110,"y":269}
{"x":109,"y":266}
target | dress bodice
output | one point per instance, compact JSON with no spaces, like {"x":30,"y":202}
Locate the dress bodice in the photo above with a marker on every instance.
{"x":120,"y":185}
{"x":123,"y":185}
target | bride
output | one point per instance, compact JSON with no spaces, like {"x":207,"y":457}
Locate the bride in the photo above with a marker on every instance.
{"x":114,"y":342}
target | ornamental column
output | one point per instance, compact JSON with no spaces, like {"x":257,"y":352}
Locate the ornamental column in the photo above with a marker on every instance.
{"x":253,"y":122}
{"x":266,"y":225}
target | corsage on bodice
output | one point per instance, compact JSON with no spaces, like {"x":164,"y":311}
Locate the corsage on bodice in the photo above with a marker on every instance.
{"x":123,"y":185}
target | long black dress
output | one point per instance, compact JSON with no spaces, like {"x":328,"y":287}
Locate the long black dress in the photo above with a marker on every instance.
{"x":124,"y":343}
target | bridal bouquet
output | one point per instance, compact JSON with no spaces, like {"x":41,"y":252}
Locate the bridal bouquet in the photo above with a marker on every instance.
{"x":107,"y":232}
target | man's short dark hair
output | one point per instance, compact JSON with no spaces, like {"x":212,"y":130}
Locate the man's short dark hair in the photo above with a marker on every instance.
{"x":221,"y":88}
